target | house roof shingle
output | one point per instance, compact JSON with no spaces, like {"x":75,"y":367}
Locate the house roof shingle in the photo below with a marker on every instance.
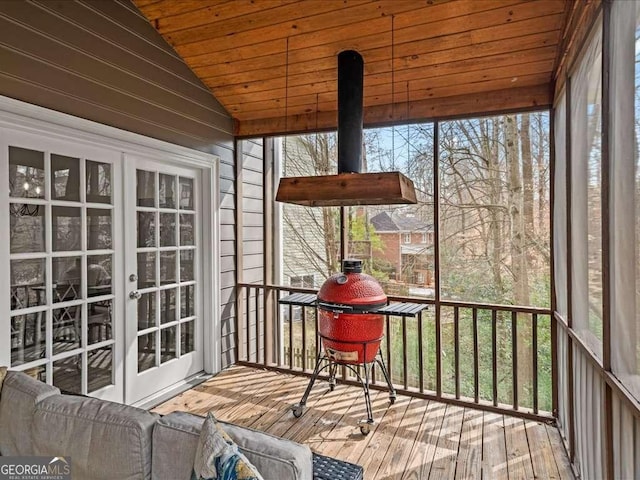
{"x":394,"y":222}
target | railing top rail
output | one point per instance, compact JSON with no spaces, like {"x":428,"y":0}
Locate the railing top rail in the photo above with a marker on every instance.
{"x":428,"y":301}
{"x":500,"y":308}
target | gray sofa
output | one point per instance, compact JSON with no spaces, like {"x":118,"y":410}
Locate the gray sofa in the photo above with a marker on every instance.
{"x":107,"y":440}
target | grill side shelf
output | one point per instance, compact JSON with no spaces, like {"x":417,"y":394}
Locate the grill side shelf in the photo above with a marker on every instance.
{"x":403,"y":309}
{"x":301,"y":299}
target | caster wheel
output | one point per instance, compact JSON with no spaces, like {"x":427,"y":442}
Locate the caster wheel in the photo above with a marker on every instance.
{"x":365,"y":429}
{"x":332,"y":387}
{"x":297,"y":410}
{"x":392,"y":398}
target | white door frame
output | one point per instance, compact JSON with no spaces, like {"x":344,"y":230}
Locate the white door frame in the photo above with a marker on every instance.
{"x":20,"y":116}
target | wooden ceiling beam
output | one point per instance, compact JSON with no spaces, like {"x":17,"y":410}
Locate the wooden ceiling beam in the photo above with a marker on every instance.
{"x":484,"y":103}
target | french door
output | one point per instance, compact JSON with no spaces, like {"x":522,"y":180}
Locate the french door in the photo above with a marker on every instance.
{"x":163,"y":275}
{"x":101,"y":268}
{"x":61,"y":259}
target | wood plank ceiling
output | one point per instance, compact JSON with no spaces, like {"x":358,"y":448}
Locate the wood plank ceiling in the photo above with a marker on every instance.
{"x":272,"y":63}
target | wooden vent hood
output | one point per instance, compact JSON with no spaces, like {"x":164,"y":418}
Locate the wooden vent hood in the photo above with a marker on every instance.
{"x":349,"y":186}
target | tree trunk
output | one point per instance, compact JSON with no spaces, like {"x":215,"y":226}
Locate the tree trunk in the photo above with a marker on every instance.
{"x":495,"y":214}
{"x":541,"y":164}
{"x":518,"y":263}
{"x":518,"y":258}
{"x":530,"y":231}
{"x":527,"y":174}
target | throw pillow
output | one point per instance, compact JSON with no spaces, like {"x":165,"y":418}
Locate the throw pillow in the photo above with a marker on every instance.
{"x":218,"y":457}
{"x":3,"y":373}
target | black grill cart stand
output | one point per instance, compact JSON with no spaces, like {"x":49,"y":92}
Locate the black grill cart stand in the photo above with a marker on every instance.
{"x":329,"y":359}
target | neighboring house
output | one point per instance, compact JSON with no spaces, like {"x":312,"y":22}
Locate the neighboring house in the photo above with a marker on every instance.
{"x":304,"y":240}
{"x":407,"y":246}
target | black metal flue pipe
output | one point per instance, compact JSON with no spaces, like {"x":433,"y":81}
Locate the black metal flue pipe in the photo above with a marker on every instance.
{"x":350,"y":111}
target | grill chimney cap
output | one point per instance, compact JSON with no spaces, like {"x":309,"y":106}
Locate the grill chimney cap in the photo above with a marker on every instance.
{"x":351,"y":266}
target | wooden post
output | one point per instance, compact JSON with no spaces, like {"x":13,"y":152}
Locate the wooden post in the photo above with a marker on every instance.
{"x":239,"y":338}
{"x":606,"y":244}
{"x":270,"y":302}
{"x":569,"y":386}
{"x":436,"y":252}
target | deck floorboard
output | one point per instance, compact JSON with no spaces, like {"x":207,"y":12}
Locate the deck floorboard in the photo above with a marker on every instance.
{"x":413,"y":439}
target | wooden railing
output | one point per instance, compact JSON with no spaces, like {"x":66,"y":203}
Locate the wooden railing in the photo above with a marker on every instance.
{"x":493,"y":357}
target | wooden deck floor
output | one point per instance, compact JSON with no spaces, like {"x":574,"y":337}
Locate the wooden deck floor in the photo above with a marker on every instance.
{"x":412,"y":439}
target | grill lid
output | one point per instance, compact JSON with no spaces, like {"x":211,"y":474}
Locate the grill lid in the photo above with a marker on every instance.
{"x":351,"y":291}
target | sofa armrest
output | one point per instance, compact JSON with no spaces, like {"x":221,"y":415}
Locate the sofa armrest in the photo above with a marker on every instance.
{"x":18,"y":400}
{"x":175,"y":439}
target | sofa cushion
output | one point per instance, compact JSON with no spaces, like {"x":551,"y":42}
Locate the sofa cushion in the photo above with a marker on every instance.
{"x":18,"y":398}
{"x":105,"y":440}
{"x":175,"y":440}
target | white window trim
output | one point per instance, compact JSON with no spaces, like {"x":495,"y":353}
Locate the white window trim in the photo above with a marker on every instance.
{"x":21,"y":116}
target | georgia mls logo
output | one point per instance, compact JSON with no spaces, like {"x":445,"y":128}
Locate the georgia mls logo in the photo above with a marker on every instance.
{"x":35,"y":468}
{"x":59,"y":465}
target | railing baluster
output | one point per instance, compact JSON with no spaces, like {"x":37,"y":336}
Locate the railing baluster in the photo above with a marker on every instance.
{"x":304,"y":338}
{"x":248,"y":318}
{"x":290,"y":337}
{"x":438,"y":354}
{"x":456,"y":348}
{"x":388,"y":342}
{"x":264,"y":328}
{"x":514,"y":356}
{"x":276,"y":325}
{"x":258,"y":325}
{"x":534,"y":348}
{"x":420,"y":355}
{"x":476,"y":358}
{"x":494,"y":351}
{"x":404,"y":353}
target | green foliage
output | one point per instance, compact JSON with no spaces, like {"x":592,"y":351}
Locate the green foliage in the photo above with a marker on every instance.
{"x":359,"y":229}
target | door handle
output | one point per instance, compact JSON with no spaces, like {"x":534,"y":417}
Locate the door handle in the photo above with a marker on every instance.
{"x":135,"y":295}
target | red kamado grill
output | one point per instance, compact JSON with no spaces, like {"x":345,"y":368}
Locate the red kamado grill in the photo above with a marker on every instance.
{"x":348,"y":326}
{"x":351,"y":310}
